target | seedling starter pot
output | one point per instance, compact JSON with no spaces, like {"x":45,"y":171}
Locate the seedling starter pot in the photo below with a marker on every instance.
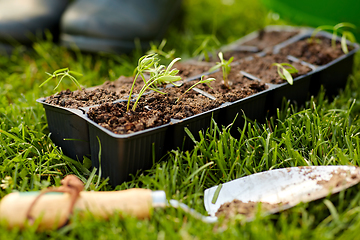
{"x":118,"y":155}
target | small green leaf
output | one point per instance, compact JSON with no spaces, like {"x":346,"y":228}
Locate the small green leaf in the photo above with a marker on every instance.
{"x":60,"y":70}
{"x":216,"y":67}
{"x":344,"y":44}
{"x":76,"y":73}
{"x":288,"y":76}
{"x":285,"y":73}
{"x":172,"y":63}
{"x":169,"y":79}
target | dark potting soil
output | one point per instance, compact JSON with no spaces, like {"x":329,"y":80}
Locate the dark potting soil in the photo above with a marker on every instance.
{"x":338,"y":179}
{"x":192,"y":68}
{"x":111,"y":91}
{"x":155,"y":109}
{"x":122,"y":85}
{"x":262,"y":68}
{"x":248,"y":209}
{"x":82,"y":98}
{"x":267,"y":39}
{"x":240,"y":86}
{"x":318,"y":51}
{"x":115,"y":118}
{"x":236,"y":54}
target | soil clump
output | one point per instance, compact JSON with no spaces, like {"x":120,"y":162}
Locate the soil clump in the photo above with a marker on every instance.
{"x":248,"y":209}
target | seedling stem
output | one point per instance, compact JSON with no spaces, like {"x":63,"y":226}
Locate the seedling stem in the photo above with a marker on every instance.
{"x":206,"y":81}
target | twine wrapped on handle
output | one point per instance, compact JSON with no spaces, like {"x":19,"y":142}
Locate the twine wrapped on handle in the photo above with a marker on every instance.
{"x":70,"y":184}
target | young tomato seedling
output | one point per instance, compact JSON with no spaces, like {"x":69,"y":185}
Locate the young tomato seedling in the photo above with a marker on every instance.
{"x":206,"y":81}
{"x":285,"y":70}
{"x":346,"y":35}
{"x":225,"y":67}
{"x":159,"y":75}
{"x":62,"y":73}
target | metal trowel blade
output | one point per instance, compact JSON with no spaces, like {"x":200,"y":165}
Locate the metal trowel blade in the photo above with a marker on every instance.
{"x":284,"y":188}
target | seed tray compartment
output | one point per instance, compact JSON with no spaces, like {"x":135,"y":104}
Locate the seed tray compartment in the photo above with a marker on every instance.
{"x":333,"y":75}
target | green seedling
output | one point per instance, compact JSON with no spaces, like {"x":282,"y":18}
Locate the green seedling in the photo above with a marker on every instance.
{"x":164,"y":75}
{"x":206,"y":81}
{"x":159,"y":50}
{"x":144,"y":64}
{"x":225,"y":67}
{"x":208,"y":45}
{"x":285,"y":73}
{"x":346,"y":35}
{"x":159,"y":75}
{"x":62,"y":73}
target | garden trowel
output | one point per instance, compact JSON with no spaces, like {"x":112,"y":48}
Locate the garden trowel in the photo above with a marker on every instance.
{"x":280,"y":189}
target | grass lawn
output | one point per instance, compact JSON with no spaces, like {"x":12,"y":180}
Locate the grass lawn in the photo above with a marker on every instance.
{"x":322,"y":132}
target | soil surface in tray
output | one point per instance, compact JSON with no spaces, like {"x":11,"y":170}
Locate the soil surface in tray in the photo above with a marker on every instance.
{"x":152,"y":110}
{"x":82,"y":98}
{"x":318,"y":51}
{"x":186,"y":70}
{"x":262,"y":68}
{"x":157,"y":109}
{"x":240,"y":86}
{"x":192,"y":68}
{"x":111,"y":91}
{"x":236,"y":54}
{"x":267,"y":39}
{"x":248,"y":209}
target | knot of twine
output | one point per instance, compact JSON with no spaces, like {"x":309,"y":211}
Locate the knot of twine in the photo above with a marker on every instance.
{"x":70,"y":184}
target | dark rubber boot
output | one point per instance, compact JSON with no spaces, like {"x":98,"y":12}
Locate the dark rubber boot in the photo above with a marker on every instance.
{"x":20,"y":20}
{"x":113,"y":25}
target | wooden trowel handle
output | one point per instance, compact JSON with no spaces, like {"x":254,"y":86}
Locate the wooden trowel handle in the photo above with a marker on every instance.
{"x":51,"y":210}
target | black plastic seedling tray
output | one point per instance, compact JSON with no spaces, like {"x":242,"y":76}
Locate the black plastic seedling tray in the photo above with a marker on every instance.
{"x":252,"y":107}
{"x":68,"y":129}
{"x":125,"y":154}
{"x":200,"y":122}
{"x":118,"y":156}
{"x":297,"y":93}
